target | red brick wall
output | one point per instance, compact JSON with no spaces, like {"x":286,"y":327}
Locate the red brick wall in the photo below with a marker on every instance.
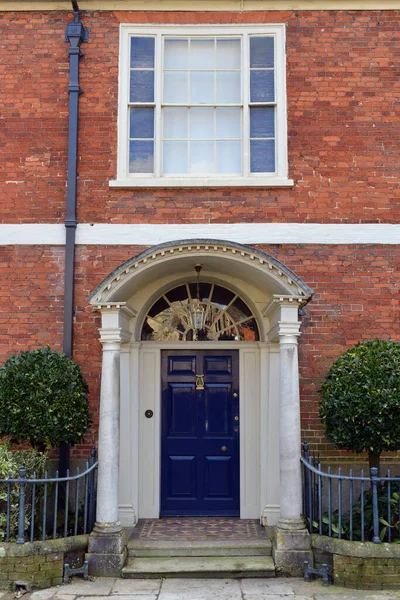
{"x":343,"y":120}
{"x":358,"y":298}
{"x":344,"y":126}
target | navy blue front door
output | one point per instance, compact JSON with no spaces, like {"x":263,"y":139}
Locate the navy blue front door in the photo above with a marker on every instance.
{"x":200,"y":433}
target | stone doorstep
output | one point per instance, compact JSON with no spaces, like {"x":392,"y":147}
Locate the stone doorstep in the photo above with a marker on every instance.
{"x":202,"y":567}
{"x":169,"y":548}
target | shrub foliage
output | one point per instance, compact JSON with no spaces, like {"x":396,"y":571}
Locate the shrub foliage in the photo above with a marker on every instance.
{"x":43,"y":399}
{"x":360,"y":399}
{"x":10,"y":463}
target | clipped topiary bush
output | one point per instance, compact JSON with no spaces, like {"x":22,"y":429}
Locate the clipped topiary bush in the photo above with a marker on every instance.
{"x":360,"y":399}
{"x":43,"y":399}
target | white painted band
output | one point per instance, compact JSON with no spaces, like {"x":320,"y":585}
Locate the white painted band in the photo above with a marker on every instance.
{"x":100,"y":234}
{"x":199,"y":5}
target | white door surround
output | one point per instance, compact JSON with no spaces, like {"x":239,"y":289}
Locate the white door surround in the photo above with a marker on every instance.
{"x":270,"y":484}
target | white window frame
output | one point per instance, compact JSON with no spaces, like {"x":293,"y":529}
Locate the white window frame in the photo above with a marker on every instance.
{"x":130,"y":180}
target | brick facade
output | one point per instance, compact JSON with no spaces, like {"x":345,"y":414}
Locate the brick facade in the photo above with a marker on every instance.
{"x":343,"y":130}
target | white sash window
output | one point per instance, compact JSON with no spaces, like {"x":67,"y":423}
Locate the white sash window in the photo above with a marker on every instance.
{"x":202,"y":106}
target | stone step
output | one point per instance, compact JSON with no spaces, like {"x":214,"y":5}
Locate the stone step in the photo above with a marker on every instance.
{"x":144,"y":548}
{"x":213,"y":567}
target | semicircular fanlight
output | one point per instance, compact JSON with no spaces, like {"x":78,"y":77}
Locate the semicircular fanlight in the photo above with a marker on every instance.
{"x":202,"y":312}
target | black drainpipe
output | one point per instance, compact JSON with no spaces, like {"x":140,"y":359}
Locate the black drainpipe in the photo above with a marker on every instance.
{"x":75,"y":34}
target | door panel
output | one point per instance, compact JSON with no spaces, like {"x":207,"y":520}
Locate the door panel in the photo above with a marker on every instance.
{"x":182,"y":477}
{"x":200,"y":433}
{"x":181,"y":410}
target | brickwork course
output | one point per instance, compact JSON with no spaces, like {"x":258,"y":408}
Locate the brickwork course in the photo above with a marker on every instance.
{"x":343,"y":90}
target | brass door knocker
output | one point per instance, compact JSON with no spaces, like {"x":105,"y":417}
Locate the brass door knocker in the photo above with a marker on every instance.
{"x":199,"y":382}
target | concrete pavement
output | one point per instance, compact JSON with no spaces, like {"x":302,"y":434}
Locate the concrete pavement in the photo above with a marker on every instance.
{"x":203,"y":589}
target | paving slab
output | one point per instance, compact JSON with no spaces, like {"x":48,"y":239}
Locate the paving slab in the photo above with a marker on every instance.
{"x":346,"y":594}
{"x":206,"y":586}
{"x":136,"y":586}
{"x":99,"y":587}
{"x":197,"y":595}
{"x":131,"y":597}
{"x":43,"y":594}
{"x":267,"y":587}
{"x":275,"y":597}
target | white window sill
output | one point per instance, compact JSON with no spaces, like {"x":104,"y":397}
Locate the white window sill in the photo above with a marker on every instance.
{"x":200,"y":182}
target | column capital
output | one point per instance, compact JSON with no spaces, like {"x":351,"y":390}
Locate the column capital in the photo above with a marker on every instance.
{"x":115,"y":321}
{"x":122,"y":308}
{"x":283,"y":315}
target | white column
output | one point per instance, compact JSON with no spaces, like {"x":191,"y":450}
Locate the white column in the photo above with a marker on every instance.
{"x":114,"y":331}
{"x":108,"y":474}
{"x":289,"y":427}
{"x":285,"y":328}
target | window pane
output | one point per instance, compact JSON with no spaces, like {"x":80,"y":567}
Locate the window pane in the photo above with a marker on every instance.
{"x":262,"y":86}
{"x":202,"y":54}
{"x":142,"y":53}
{"x":262,"y":122}
{"x":176,"y":87}
{"x":202,"y":157}
{"x":201,"y":123}
{"x":228,"y":54}
{"x":141,"y":123}
{"x":262,"y":156}
{"x":142,"y":86}
{"x":228,"y":87}
{"x":175,"y":158}
{"x":228,"y":123}
{"x":176,"y":54}
{"x":141,"y":157}
{"x":261,"y":52}
{"x":228,"y":157}
{"x":201,"y":87}
{"x":175,"y":123}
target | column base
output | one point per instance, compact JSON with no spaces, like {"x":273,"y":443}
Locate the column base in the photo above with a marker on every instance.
{"x":292,"y":546}
{"x":107,"y":550}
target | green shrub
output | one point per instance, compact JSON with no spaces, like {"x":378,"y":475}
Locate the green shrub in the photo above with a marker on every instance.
{"x":43,"y":399}
{"x":352,"y":521}
{"x":10,"y":463}
{"x":360,"y":399}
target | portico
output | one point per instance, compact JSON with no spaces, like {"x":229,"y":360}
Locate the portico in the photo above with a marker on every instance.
{"x":130,"y":450}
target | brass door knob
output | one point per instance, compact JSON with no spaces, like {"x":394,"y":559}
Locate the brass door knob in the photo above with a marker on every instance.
{"x":224,"y":448}
{"x":235,"y":395}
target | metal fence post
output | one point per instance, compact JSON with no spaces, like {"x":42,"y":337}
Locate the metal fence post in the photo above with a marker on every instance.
{"x":306,"y":456}
{"x":91,"y":490}
{"x":21,"y":516}
{"x":375,"y":513}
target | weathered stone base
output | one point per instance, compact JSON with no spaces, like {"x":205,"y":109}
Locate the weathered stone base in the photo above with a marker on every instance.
{"x":292,"y":546}
{"x":106,"y":565}
{"x":359,"y":565}
{"x":106,"y":553}
{"x":39,"y":564}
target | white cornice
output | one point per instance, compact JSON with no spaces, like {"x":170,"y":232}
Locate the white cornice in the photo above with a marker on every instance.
{"x":123,"y":234}
{"x":199,"y":5}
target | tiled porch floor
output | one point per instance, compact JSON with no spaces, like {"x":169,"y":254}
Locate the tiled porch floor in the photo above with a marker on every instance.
{"x":199,"y":529}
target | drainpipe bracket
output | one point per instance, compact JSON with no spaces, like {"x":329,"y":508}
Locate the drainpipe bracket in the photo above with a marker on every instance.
{"x":70,"y":223}
{"x":76,"y":30}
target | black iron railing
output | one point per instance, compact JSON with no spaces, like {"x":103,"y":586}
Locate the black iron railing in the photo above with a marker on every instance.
{"x":48,"y":507}
{"x":361,"y":507}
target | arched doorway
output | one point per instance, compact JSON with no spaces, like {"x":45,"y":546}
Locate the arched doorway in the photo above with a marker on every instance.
{"x":247,"y":307}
